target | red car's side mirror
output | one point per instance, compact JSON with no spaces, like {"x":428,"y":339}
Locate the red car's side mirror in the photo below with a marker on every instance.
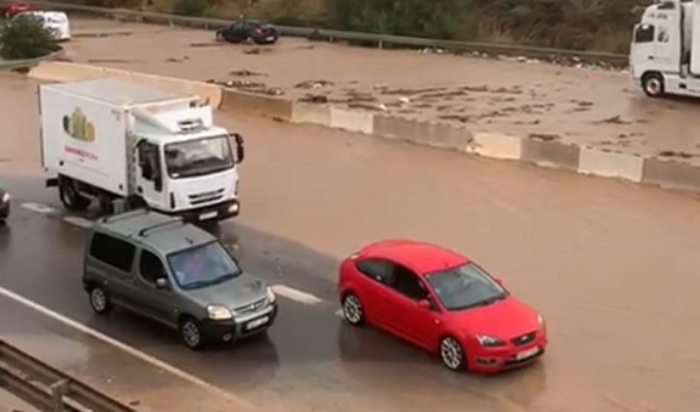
{"x":424,"y":304}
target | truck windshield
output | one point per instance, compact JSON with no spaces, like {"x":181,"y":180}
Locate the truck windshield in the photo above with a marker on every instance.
{"x":198,"y":157}
{"x":203,"y":266}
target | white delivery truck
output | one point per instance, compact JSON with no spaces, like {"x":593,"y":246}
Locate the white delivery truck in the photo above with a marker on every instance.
{"x":110,"y":140}
{"x":664,"y":55}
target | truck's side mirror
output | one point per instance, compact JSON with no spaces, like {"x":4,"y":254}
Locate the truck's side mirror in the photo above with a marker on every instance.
{"x":240,"y":149}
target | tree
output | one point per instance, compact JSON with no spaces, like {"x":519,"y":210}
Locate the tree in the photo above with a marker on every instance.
{"x":25,"y":37}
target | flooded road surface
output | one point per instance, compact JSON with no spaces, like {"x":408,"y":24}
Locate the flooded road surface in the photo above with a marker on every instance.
{"x":612,"y":266}
{"x":584,"y":106}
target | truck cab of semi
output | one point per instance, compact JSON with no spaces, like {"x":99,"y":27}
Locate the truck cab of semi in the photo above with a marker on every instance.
{"x":663,"y":58}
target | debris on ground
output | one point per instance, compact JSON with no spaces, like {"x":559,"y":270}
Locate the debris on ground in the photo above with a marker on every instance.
{"x":209,"y":44}
{"x":671,"y":153}
{"x":543,"y":137}
{"x":613,"y":120}
{"x":177,"y":59}
{"x":313,"y":84}
{"x":244,"y":73}
{"x":258,"y":50}
{"x":114,"y":61}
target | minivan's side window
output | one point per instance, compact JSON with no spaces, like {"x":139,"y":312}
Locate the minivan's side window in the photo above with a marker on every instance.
{"x":151,"y":267}
{"x":112,"y":251}
{"x":407,"y":283}
{"x":378,"y":270}
{"x":644,"y":33}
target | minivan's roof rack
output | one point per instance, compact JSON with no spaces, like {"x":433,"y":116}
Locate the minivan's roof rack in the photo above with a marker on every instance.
{"x":125,"y":215}
{"x":174,"y":221}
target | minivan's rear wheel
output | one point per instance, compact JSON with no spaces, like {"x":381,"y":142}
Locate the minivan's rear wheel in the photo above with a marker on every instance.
{"x":452,"y":354}
{"x":99,"y":301}
{"x":353,"y":311}
{"x":191,"y":333}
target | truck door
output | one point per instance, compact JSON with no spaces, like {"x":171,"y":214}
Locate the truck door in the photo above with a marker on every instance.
{"x":149,"y":175}
{"x":667,"y":42}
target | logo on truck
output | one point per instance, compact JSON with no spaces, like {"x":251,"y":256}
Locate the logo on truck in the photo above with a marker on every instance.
{"x":78,"y":127}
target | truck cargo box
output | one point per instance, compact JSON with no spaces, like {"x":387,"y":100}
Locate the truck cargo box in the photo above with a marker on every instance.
{"x":85,"y":127}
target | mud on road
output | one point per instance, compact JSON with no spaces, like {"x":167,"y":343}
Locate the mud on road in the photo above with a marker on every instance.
{"x":585,"y":106}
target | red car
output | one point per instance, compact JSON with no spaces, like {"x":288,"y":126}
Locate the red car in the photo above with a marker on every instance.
{"x":442,"y":302}
{"x":10,"y":9}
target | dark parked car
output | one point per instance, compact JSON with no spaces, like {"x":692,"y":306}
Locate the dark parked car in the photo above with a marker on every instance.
{"x":259,"y":31}
{"x":4,"y":205}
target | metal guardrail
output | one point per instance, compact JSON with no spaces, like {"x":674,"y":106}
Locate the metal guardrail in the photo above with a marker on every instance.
{"x":336,"y":35}
{"x":48,"y":389}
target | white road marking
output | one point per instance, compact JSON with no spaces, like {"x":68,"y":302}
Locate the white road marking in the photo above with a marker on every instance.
{"x":124,"y":347}
{"x":39,"y":208}
{"x":78,"y":221}
{"x":297,"y":295}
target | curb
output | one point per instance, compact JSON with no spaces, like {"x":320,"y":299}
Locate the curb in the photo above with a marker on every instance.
{"x":668,"y":174}
{"x":584,"y":160}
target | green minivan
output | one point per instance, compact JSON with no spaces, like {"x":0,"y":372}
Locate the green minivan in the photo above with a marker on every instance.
{"x":174,"y":273}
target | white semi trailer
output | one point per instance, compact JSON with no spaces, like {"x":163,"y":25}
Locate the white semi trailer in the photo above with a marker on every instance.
{"x":665,"y":53}
{"x":109,"y":140}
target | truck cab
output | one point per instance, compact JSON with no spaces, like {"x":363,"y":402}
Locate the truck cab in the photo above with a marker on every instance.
{"x":187,"y":167}
{"x":662,"y":59}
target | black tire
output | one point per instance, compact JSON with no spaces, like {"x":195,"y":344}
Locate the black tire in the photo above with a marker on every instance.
{"x":99,"y":301}
{"x":653,"y":84}
{"x":191,"y":333}
{"x":452,"y":355}
{"x":353,"y":310}
{"x":133,"y":202}
{"x":70,"y":197}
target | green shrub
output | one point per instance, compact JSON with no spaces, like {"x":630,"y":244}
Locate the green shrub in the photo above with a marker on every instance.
{"x":192,"y":8}
{"x":25,"y":38}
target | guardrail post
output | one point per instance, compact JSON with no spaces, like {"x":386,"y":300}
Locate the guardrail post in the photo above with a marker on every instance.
{"x":58,"y":390}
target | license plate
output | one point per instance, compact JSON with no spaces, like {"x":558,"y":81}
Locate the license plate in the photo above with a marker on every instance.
{"x":270,"y":38}
{"x":257,"y":322}
{"x":209,"y":215}
{"x":527,"y":353}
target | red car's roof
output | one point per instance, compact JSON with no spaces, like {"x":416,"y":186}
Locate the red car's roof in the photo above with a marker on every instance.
{"x":421,"y":257}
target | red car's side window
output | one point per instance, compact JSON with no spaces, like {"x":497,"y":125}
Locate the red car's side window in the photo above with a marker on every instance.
{"x":407,"y":283}
{"x":376,"y":269}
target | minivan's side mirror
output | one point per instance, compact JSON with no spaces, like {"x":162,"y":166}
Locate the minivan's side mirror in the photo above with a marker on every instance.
{"x":240,"y":149}
{"x":161,"y":283}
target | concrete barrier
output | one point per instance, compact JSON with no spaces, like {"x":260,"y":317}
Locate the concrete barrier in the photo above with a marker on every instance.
{"x":237,"y":101}
{"x":610,"y":164}
{"x":352,"y":120}
{"x":495,"y":145}
{"x":68,"y":72}
{"x":551,"y":154}
{"x":433,"y":134}
{"x":312,"y":113}
{"x":670,"y":174}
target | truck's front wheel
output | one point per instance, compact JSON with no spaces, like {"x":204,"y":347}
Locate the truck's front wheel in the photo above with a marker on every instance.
{"x":653,"y":84}
{"x":70,"y":197}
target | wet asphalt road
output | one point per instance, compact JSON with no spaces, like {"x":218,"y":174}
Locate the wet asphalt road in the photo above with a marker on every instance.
{"x":310,"y":357}
{"x":612,"y":266}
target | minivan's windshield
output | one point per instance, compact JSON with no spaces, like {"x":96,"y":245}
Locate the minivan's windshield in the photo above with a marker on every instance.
{"x":203,"y":266}
{"x":198,"y":157}
{"x":465,"y":287}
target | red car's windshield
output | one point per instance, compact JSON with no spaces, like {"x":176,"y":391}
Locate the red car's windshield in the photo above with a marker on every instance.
{"x":465,"y":287}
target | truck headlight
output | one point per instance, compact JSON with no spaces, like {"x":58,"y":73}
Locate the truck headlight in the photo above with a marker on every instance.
{"x":5,"y":197}
{"x":271,"y":295}
{"x":217,"y":312}
{"x":487,"y":340}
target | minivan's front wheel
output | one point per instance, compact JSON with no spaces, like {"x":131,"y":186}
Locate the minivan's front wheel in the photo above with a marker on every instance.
{"x":99,"y":301}
{"x":191,"y":333}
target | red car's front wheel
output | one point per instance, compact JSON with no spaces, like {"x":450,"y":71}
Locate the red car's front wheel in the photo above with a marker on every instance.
{"x":452,"y":354}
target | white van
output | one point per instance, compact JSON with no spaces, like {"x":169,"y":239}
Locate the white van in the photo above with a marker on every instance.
{"x":56,"y":21}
